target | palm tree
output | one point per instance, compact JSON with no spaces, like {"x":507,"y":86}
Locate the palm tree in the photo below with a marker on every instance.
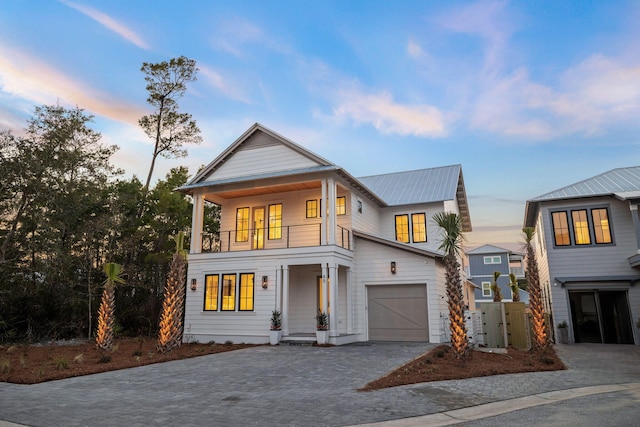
{"x":451,"y":227}
{"x":106,"y":313}
{"x":497,"y":295}
{"x":515,"y":290}
{"x":535,"y":292}
{"x":171,"y":326}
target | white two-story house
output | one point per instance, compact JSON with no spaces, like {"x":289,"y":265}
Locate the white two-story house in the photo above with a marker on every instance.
{"x":300,"y":234}
{"x":588,"y":250}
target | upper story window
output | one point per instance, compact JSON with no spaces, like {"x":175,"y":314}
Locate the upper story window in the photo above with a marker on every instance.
{"x":312,"y":209}
{"x":494,"y":259}
{"x":341,"y":205}
{"x":588,"y":226}
{"x":601,"y":230}
{"x":560,"y":228}
{"x":242,"y":224}
{"x":275,"y":221}
{"x":402,"y":228}
{"x":418,"y":228}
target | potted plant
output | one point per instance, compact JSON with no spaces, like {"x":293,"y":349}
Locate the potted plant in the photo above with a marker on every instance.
{"x":322,"y":327}
{"x":275,"y":332}
{"x":563,"y":332}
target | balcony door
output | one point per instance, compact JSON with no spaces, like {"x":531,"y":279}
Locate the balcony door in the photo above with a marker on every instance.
{"x":258,"y":228}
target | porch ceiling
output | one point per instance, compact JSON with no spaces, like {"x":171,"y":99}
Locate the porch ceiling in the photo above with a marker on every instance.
{"x":270,"y":189}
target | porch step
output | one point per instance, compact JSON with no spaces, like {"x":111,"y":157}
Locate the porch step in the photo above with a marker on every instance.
{"x":298,"y":342}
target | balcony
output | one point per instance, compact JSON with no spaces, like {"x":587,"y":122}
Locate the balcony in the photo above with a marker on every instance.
{"x":285,"y":237}
{"x":517,"y":271}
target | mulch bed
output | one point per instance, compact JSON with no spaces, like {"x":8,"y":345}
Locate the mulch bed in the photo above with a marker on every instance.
{"x":31,"y":364}
{"x":440,"y":364}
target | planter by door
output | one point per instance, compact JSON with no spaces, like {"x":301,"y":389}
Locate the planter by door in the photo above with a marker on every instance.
{"x":274,"y":337}
{"x":321,"y":337}
{"x":563,"y":335}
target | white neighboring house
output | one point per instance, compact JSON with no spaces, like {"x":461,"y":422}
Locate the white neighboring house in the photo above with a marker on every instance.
{"x":588,"y":250}
{"x":300,"y":234}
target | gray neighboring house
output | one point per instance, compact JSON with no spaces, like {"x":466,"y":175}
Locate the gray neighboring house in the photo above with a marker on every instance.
{"x":484,"y":261}
{"x":588,"y":249}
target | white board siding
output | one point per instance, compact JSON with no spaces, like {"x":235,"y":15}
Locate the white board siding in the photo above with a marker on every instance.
{"x":367,"y":221}
{"x":252,"y":327}
{"x":373,"y":268}
{"x":261,"y":160}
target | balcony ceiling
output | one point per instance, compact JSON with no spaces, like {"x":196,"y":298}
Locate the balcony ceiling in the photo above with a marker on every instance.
{"x":257,"y":191}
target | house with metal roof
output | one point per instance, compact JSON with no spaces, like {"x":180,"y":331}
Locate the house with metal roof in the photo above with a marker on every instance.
{"x":588,"y":250}
{"x":299,"y":234}
{"x":483,"y":261}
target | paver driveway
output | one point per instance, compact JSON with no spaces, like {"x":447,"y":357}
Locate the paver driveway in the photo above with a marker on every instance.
{"x":297,"y":386}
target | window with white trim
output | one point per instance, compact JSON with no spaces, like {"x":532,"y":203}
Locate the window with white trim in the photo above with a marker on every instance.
{"x":486,"y":289}
{"x":497,"y":259}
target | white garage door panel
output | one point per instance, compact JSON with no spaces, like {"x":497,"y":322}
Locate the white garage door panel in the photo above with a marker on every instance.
{"x":398,"y":313}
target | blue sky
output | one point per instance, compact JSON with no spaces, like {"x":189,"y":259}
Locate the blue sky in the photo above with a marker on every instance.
{"x":527,"y":96}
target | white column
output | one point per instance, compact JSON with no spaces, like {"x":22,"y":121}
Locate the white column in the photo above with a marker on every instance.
{"x":285,"y":300}
{"x":325,"y":288}
{"x":349,"y":302}
{"x":279,"y":289}
{"x":331,"y":239}
{"x":323,"y":213}
{"x":197,"y":218}
{"x":333,"y":303}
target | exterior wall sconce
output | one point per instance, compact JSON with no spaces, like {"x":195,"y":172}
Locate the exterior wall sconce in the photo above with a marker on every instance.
{"x":194,"y":284}
{"x":393,"y":267}
{"x":265,"y":282}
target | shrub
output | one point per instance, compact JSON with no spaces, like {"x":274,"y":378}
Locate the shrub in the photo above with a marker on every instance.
{"x":61,"y":362}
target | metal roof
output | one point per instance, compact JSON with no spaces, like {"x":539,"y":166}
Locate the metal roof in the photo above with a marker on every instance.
{"x":418,"y":186}
{"x":623,"y":183}
{"x":488,"y":249}
{"x":614,"y":181}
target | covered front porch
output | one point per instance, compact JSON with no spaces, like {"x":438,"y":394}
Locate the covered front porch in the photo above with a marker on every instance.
{"x":304,"y":290}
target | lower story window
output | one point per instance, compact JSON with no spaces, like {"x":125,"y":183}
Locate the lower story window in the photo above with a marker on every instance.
{"x":486,"y":289}
{"x":229,"y":294}
{"x":211,"y":292}
{"x":246,"y":291}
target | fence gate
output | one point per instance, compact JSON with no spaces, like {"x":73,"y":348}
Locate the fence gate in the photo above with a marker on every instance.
{"x":517,"y":328}
{"x":493,"y":324}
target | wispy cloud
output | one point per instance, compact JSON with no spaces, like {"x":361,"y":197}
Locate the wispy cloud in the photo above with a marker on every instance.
{"x":388,"y":116}
{"x":110,"y":23}
{"x":235,"y":36}
{"x":226,"y":86}
{"x":488,"y":20}
{"x":24,"y":76}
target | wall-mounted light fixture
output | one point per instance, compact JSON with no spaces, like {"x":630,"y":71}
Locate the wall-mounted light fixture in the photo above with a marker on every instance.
{"x":265,"y":282}
{"x":194,"y":284}
{"x":393,"y":267}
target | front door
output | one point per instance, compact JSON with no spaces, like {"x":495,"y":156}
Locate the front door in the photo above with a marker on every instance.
{"x":258,"y":228}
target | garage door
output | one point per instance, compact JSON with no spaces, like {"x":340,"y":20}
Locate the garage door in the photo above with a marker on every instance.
{"x":398,"y":313}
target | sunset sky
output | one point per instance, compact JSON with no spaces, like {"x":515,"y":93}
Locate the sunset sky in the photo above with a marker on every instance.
{"x":527,"y":96}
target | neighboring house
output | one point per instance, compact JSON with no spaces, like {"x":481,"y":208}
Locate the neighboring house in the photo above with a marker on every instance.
{"x":588,"y":250}
{"x":300,"y":234}
{"x":484,"y":261}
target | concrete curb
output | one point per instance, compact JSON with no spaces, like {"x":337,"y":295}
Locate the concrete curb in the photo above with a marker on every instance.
{"x":505,"y":406}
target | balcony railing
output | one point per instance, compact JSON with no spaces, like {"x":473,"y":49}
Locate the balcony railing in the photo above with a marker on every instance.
{"x":290,"y":236}
{"x":518,"y":271}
